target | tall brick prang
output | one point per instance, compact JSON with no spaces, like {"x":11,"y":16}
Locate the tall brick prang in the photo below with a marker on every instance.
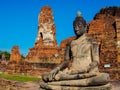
{"x":45,"y":45}
{"x":15,"y":55}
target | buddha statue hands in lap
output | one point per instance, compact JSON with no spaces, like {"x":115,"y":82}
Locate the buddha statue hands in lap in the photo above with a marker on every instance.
{"x":84,"y":53}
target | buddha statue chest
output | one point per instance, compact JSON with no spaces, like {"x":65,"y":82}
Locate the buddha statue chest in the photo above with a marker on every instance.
{"x":81,"y":53}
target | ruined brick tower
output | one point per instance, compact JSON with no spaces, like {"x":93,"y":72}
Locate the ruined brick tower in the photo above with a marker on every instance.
{"x":15,"y":55}
{"x":118,"y":37}
{"x":46,"y":47}
{"x":46,"y":28}
{"x":105,"y":28}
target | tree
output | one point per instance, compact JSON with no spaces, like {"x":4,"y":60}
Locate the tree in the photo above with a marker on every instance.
{"x":6,"y":53}
{"x":22,"y":56}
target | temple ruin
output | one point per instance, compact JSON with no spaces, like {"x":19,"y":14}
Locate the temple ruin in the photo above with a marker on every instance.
{"x":45,"y":48}
{"x":15,"y":55}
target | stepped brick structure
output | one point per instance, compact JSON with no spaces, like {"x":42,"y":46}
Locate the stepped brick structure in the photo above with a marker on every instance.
{"x":46,"y":47}
{"x":118,"y":38}
{"x":103,"y":28}
{"x":15,"y":55}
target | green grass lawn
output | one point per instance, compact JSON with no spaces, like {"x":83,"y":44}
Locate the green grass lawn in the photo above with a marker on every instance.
{"x":19,"y":78}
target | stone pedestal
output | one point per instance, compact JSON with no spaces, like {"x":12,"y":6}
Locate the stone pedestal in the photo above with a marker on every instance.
{"x":55,"y":87}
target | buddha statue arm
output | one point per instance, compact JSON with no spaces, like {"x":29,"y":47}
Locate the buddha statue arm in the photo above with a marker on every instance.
{"x":67,"y":57}
{"x":95,"y":56}
{"x":51,"y":75}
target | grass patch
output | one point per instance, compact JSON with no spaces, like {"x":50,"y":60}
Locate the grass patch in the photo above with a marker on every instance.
{"x":19,"y":78}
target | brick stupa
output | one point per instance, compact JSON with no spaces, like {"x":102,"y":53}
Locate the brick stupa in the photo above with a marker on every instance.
{"x":45,"y":47}
{"x":15,"y":55}
{"x":105,"y":28}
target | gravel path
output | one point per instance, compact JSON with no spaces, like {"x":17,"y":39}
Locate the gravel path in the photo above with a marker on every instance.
{"x":29,"y":86}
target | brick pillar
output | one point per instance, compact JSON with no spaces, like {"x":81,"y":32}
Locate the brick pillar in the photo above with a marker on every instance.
{"x":118,"y":38}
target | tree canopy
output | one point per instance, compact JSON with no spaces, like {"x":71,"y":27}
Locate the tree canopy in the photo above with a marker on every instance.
{"x":6,"y":54}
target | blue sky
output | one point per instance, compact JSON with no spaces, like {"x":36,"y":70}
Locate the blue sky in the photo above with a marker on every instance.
{"x":19,"y":19}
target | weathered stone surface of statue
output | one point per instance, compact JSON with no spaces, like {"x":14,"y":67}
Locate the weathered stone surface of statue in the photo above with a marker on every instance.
{"x":83,"y":73}
{"x":15,"y":55}
{"x":46,"y":46}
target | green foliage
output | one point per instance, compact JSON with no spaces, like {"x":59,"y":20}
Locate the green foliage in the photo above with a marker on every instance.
{"x":22,"y":56}
{"x":19,"y":78}
{"x":6,"y":53}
